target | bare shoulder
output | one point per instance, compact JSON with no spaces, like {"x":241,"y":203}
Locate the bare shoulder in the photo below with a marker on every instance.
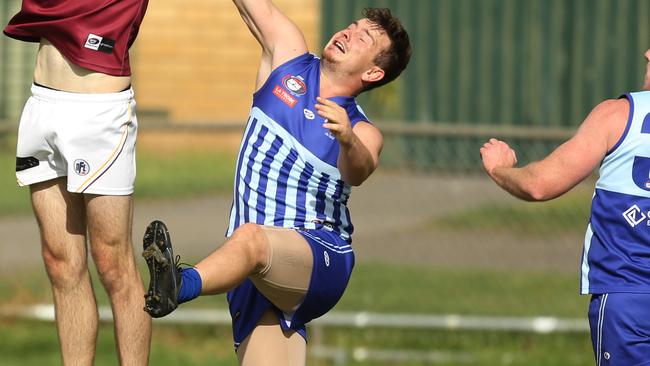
{"x":613,"y":109}
{"x":609,"y":118}
{"x":370,"y":136}
{"x":610,"y":112}
{"x":368,"y":129}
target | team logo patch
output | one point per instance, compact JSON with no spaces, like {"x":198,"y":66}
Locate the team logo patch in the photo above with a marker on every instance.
{"x":295,"y":85}
{"x":99,"y":43}
{"x":284,"y":96}
{"x":81,"y":167}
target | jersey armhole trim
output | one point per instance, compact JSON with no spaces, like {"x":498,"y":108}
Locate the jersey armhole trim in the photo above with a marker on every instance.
{"x":280,"y":68}
{"x":630,"y":117}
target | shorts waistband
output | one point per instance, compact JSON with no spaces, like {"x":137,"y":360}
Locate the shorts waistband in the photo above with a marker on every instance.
{"x":57,"y":95}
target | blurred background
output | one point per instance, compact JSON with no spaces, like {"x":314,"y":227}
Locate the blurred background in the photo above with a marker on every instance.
{"x":450,"y":270}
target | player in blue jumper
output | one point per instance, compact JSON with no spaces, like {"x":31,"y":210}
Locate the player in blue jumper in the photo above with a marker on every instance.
{"x":288,"y":257}
{"x":616,"y":258}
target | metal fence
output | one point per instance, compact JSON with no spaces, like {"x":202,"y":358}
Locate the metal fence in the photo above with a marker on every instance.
{"x":508,"y":62}
{"x":16,"y":67}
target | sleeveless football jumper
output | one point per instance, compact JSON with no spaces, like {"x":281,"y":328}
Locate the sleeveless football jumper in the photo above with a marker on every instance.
{"x":287,"y":176}
{"x":616,"y":256}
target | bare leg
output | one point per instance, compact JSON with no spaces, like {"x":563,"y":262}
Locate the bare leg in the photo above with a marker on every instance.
{"x":285,"y":280}
{"x":243,"y":254}
{"x":61,"y":219}
{"x":269,"y":345}
{"x":278,"y":261}
{"x":109,"y":228}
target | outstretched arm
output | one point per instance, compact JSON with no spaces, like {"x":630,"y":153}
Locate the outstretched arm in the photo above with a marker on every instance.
{"x":359,"y":146}
{"x":280,"y":38}
{"x":567,"y":165}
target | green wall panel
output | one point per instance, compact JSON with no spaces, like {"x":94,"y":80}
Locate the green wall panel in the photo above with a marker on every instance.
{"x":507,"y":62}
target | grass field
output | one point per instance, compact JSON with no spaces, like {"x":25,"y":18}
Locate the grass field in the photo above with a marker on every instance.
{"x":375,"y":287}
{"x":173,"y":175}
{"x":566,"y":214}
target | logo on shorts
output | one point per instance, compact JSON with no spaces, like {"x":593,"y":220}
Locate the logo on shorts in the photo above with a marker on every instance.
{"x":81,"y":167}
{"x":634,"y":216}
{"x":99,"y":43}
{"x":327,"y":259}
{"x":295,"y":84}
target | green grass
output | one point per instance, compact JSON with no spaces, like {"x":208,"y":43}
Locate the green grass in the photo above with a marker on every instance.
{"x":183,"y":174}
{"x":381,"y":287}
{"x":14,"y":200}
{"x":565,"y":214}
{"x":374,"y":287}
{"x":27,"y":343}
{"x":177,"y":175}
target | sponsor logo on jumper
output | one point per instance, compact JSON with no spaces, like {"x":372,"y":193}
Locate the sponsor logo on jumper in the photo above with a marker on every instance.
{"x":99,"y":43}
{"x":327,"y":259}
{"x":295,"y":84}
{"x":284,"y":96}
{"x":93,"y":41}
{"x":634,"y":216}
{"x":308,"y":114}
{"x":81,"y":167}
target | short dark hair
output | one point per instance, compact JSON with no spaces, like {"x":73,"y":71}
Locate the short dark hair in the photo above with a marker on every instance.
{"x":394,"y":59}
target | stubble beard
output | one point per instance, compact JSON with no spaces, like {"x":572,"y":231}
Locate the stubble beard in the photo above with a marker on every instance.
{"x":328,"y":63}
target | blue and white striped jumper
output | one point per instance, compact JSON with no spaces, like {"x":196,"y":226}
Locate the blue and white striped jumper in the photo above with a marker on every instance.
{"x":616,"y":255}
{"x":286,"y":173}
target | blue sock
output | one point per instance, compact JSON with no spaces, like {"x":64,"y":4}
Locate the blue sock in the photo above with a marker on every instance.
{"x":190,"y":285}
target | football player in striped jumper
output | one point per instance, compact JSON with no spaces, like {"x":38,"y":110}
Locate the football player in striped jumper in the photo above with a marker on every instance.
{"x":76,"y":152}
{"x":288,"y":257}
{"x":615,"y":269}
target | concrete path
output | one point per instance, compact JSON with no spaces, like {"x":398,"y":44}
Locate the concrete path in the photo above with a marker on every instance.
{"x":389,"y":212}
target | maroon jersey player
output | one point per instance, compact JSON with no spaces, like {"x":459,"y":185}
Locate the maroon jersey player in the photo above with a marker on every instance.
{"x":75,"y":151}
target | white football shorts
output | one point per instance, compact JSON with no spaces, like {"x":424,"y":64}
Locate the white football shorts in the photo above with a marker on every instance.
{"x":90,"y":138}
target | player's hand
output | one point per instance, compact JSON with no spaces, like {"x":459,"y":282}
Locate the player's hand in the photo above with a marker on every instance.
{"x":336,"y":120}
{"x":497,"y":154}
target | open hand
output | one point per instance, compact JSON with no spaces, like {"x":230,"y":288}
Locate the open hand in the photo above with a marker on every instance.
{"x":336,"y":120}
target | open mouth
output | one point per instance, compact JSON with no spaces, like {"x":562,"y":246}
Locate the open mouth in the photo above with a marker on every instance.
{"x":339,"y":45}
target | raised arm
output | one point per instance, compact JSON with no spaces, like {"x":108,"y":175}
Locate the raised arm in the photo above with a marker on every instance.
{"x":280,"y":38}
{"x":567,"y":165}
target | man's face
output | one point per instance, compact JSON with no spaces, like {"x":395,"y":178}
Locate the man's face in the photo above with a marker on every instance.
{"x":354,"y":48}
{"x":646,"y":83}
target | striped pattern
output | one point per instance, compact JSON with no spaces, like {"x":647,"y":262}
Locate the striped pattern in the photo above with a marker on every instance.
{"x":601,"y":320}
{"x":584,"y":268}
{"x":278,"y":182}
{"x":616,"y":241}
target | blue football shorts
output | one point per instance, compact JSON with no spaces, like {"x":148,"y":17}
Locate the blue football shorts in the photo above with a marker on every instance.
{"x":620,"y":329}
{"x":332,"y":267}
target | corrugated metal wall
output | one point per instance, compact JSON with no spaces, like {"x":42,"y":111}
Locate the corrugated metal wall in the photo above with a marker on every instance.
{"x":508,"y":62}
{"x":16,"y":67}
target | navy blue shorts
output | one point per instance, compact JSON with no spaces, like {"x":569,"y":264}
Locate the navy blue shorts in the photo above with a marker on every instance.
{"x":620,"y":329}
{"x":333,"y":263}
